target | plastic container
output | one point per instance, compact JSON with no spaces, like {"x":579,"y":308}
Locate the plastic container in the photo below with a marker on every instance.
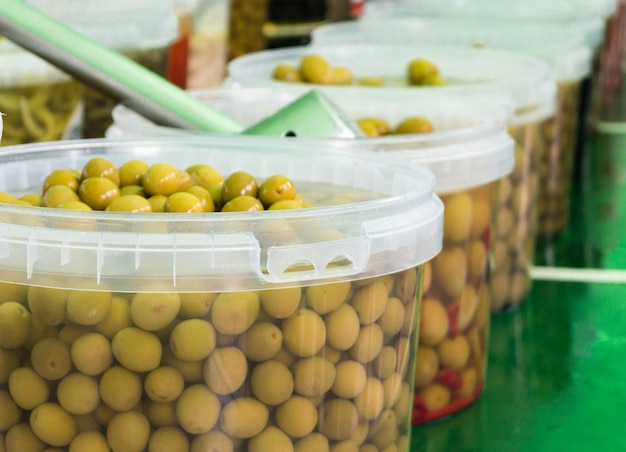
{"x":271,"y":296}
{"x":198,"y":57}
{"x":469,"y":152}
{"x":140,"y":29}
{"x":483,"y":72}
{"x":563,"y":48}
{"x":38,"y":99}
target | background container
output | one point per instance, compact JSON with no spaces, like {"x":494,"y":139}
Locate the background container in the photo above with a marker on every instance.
{"x":563,"y":48}
{"x":140,"y":29}
{"x":38,"y":100}
{"x":292,"y":280}
{"x":481,"y":72}
{"x":198,"y":57}
{"x":469,"y":152}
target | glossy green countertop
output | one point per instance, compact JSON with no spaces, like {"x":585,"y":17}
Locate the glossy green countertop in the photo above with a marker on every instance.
{"x":555,"y":377}
{"x":557,"y":366}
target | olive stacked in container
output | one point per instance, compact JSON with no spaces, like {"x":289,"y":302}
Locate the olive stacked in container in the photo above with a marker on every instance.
{"x":468,"y":149}
{"x":248,"y":330}
{"x":563,"y":48}
{"x":478,"y":72}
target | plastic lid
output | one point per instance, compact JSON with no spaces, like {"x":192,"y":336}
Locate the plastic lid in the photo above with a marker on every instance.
{"x":20,"y":68}
{"x":117,"y":24}
{"x":469,"y":147}
{"x":562,"y":47}
{"x":398,"y":223}
{"x":527,"y":79}
{"x":587,"y":16}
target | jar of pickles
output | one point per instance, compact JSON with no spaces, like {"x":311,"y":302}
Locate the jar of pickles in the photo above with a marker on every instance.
{"x":39,"y":102}
{"x":287,"y":321}
{"x":140,"y":29}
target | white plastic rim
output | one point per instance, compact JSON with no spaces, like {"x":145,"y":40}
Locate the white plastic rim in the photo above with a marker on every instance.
{"x":469,"y":147}
{"x":20,"y":68}
{"x":526,"y":79}
{"x":117,"y":24}
{"x":400,"y":226}
{"x":586,"y":16}
{"x":564,"y":48}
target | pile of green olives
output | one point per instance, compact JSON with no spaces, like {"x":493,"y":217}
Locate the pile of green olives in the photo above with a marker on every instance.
{"x":378,"y":127}
{"x":316,"y":368}
{"x":137,"y":186}
{"x":315,"y":68}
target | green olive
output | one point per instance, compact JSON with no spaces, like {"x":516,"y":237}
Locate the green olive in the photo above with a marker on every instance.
{"x":243,"y":203}
{"x":98,"y":192}
{"x":419,"y":69}
{"x":316,"y":69}
{"x":161,"y":179}
{"x":183,"y":202}
{"x":101,"y":167}
{"x":61,"y":177}
{"x":129,"y":203}
{"x":414,"y":124}
{"x":57,"y":195}
{"x":204,"y":196}
{"x":34,"y":199}
{"x":205,"y":175}
{"x":276,"y":188}
{"x":131,"y":172}
{"x":74,"y":205}
{"x":127,"y":190}
{"x":239,"y":183}
{"x":286,"y":72}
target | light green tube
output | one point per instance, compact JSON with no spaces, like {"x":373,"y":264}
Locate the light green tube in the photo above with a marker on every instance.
{"x":130,"y":83}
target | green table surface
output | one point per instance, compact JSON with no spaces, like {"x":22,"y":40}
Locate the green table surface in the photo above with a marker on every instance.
{"x":556,"y":377}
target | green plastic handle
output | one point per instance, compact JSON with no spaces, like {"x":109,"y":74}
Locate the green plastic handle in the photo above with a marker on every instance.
{"x":128,"y":82}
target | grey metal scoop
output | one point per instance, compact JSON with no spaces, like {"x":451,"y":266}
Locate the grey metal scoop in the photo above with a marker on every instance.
{"x":311,"y":115}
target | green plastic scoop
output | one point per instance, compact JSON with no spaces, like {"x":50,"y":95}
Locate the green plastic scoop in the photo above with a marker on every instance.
{"x":311,"y":115}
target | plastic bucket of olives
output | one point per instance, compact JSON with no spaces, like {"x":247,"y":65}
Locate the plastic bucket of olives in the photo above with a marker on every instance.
{"x":564,"y":48}
{"x":468,"y":149}
{"x":288,"y":319}
{"x":140,"y":29}
{"x":458,"y":71}
{"x":38,"y":100}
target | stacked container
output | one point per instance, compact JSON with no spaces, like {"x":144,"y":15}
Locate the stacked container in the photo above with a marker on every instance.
{"x":255,"y":330}
{"x":38,"y":100}
{"x":140,"y":29}
{"x":528,"y":80}
{"x":563,"y":48}
{"x":469,"y":151}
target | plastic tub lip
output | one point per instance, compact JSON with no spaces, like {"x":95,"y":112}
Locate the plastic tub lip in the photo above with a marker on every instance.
{"x":217,"y":251}
{"x":584,"y":17}
{"x":528,"y":79}
{"x":563,"y":47}
{"x":119,"y":24}
{"x":473,"y":150}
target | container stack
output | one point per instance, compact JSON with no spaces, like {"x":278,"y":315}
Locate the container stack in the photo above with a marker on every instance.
{"x":172,"y":290}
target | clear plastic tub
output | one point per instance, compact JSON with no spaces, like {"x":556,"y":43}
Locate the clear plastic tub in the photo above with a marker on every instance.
{"x":271,"y":327}
{"x":38,"y":100}
{"x":140,"y":29}
{"x":469,"y":152}
{"x":483,"y":72}
{"x":563,"y":48}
